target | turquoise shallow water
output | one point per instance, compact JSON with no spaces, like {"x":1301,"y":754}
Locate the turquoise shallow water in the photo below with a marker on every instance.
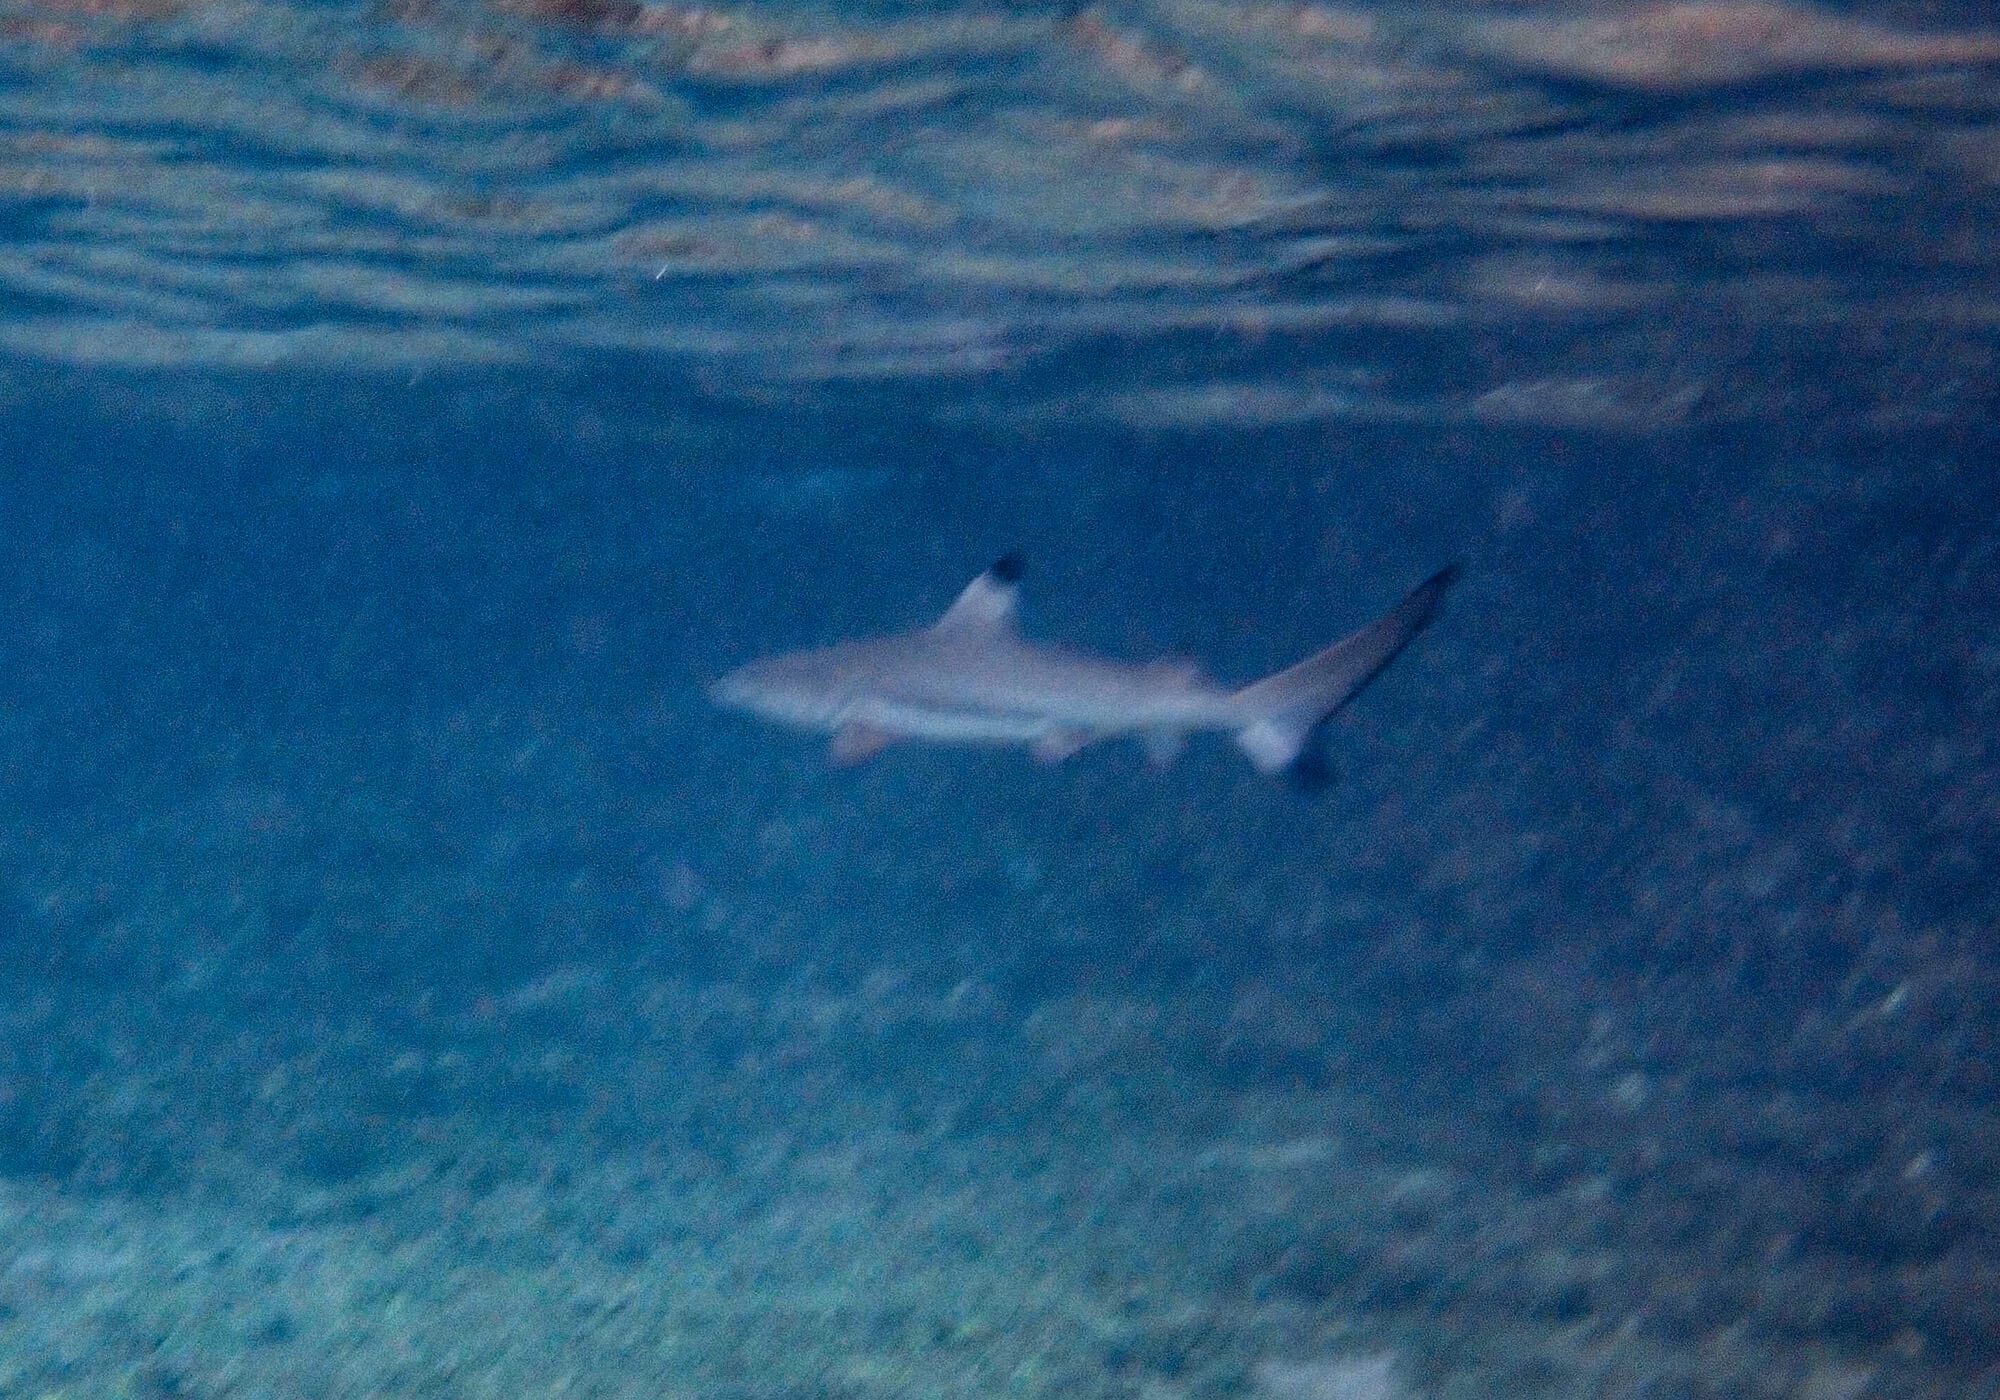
{"x":415,"y":988}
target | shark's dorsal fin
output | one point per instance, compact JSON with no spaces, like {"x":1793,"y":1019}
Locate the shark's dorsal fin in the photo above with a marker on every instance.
{"x":987,"y":605}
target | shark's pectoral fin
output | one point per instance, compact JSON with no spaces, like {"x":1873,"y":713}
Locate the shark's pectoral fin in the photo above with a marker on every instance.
{"x":857,"y":743}
{"x":1059,"y":744}
{"x":1163,"y":746}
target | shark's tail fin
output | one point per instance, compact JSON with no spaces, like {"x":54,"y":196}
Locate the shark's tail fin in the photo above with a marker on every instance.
{"x":1280,"y":712}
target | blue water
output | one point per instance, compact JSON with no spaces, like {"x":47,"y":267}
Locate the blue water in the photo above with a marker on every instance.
{"x":414,"y":987}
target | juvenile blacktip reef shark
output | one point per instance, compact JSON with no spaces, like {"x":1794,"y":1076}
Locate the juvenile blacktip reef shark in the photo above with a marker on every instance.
{"x":971,"y":677}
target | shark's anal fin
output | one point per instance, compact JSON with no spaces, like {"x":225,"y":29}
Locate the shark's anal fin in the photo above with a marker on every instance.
{"x":1163,"y":746}
{"x":856,"y":743}
{"x":1058,"y":744}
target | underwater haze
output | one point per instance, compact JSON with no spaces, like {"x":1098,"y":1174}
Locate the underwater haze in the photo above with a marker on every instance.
{"x":416,"y":987}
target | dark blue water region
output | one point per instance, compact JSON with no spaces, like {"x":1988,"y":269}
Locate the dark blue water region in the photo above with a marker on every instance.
{"x":415,"y":986}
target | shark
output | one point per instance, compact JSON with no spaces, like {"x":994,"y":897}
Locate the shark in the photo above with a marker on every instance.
{"x":973,"y":677}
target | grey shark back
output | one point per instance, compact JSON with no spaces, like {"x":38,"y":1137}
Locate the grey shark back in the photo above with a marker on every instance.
{"x":971,"y":677}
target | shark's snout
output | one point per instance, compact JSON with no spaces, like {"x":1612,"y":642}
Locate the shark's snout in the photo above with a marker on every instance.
{"x":732,"y":691}
{"x":773,"y":691}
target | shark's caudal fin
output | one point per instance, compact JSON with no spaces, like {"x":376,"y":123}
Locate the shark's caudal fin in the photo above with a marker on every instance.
{"x":1280,"y":712}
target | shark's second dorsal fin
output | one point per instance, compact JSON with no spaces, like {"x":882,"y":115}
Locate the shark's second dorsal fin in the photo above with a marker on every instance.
{"x":987,"y":605}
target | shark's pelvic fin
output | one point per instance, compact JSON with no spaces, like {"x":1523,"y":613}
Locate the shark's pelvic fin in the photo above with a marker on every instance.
{"x":855,"y":742}
{"x":988,"y":603}
{"x":1280,"y":712}
{"x":1059,"y":744}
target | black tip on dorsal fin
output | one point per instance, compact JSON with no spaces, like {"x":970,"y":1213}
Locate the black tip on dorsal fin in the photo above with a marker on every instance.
{"x":987,"y":603}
